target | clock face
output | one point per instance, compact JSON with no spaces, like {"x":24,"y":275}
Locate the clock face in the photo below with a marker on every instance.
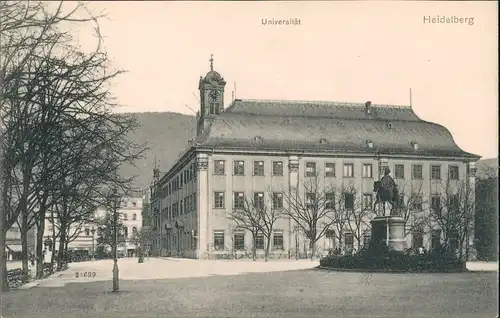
{"x":213,"y":96}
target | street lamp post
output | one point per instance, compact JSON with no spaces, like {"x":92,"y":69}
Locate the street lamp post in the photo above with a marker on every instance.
{"x":115,"y":245}
{"x":93,"y":246}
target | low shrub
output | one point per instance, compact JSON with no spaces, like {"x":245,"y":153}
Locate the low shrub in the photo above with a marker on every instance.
{"x":386,"y":260}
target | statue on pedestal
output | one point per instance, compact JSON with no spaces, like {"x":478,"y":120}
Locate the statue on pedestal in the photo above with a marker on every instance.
{"x":386,"y":191}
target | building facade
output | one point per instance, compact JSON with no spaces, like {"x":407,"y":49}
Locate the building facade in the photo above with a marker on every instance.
{"x":262,"y":146}
{"x":131,"y":214}
{"x":13,"y":244}
{"x":83,"y":237}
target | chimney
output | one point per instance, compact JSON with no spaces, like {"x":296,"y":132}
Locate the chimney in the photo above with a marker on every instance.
{"x":368,"y":105}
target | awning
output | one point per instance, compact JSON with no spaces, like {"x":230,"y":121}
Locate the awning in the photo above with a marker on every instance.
{"x":14,"y":248}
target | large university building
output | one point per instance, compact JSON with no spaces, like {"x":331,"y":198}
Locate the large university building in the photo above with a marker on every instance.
{"x":257,"y":146}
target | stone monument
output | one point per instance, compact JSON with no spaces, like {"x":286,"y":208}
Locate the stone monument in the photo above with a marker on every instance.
{"x":388,"y":229}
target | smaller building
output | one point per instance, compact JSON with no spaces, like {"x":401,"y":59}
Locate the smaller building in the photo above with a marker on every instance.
{"x":83,"y":238}
{"x":131,"y":215}
{"x":13,"y":246}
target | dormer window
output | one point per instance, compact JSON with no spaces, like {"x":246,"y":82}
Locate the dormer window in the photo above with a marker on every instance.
{"x":323,"y":141}
{"x":258,"y":139}
{"x":389,"y":125}
{"x":369,"y":143}
{"x":414,"y":145}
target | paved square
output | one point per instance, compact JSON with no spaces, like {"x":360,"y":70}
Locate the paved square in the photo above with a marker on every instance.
{"x":296,"y":293}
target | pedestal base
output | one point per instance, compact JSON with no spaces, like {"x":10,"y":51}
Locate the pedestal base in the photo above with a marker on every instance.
{"x":389,"y":230}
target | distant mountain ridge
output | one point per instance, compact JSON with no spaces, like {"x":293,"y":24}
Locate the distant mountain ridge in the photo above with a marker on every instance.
{"x":167,"y":134}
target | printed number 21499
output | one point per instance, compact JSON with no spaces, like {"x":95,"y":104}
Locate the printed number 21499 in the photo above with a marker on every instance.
{"x":85,"y":274}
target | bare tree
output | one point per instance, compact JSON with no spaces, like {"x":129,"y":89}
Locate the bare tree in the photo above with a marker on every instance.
{"x":357,"y":211}
{"x":411,"y":208}
{"x":309,"y":207}
{"x":247,"y":215}
{"x":486,"y":221}
{"x":453,"y":211}
{"x":26,"y":29}
{"x":270,"y":210}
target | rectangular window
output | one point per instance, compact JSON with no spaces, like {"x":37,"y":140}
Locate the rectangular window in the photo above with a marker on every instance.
{"x":277,"y":168}
{"x":175,"y":209}
{"x":349,"y":240}
{"x":436,"y":203}
{"x":453,"y":203}
{"x":330,"y":233}
{"x":366,"y":239}
{"x":330,"y":200}
{"x":277,"y":200}
{"x":278,"y":240}
{"x":239,"y":200}
{"x":219,"y":167}
{"x":87,"y":232}
{"x":367,"y":201}
{"x":219,"y":200}
{"x":436,"y":239}
{"x":349,"y":201}
{"x":258,"y":168}
{"x":181,"y":207}
{"x":330,"y":170}
{"x":453,"y":173}
{"x":218,"y":240}
{"x":194,"y":201}
{"x":258,"y":200}
{"x":416,"y":172}
{"x":435,"y":172}
{"x":417,"y":239}
{"x":259,"y":242}
{"x":349,"y":170}
{"x":310,"y":169}
{"x":367,"y":171}
{"x":399,"y":171}
{"x":310,"y":200}
{"x":239,"y":241}
{"x":125,"y":231}
{"x":417,"y":203}
{"x":239,"y":168}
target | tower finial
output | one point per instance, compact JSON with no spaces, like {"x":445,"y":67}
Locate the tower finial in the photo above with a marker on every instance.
{"x":211,"y":62}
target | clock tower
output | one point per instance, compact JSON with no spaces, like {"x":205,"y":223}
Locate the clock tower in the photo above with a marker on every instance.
{"x":211,"y":97}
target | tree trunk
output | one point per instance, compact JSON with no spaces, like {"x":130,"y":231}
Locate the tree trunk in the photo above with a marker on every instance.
{"x":3,"y":260}
{"x":297,"y":247}
{"x":24,"y":246}
{"x":39,"y":249}
{"x":313,"y":249}
{"x":254,"y":248}
{"x":53,"y":256}
{"x":61,"y":252}
{"x":268,"y":246}
{"x":24,"y":255}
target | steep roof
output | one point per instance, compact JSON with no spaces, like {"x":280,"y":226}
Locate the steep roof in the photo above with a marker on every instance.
{"x":331,"y":127}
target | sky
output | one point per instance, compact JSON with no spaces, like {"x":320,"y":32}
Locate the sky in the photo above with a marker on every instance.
{"x":341,"y":51}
